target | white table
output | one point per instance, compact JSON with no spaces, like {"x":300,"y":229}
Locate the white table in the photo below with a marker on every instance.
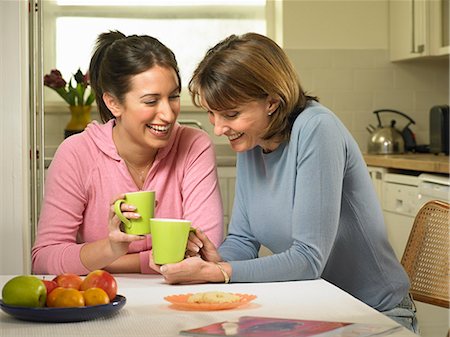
{"x":146,"y":313}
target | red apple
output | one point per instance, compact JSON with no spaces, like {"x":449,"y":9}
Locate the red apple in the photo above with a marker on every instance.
{"x":68,"y":280}
{"x":50,"y":285}
{"x":101,"y":279}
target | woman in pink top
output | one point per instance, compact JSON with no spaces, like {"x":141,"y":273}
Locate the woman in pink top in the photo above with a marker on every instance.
{"x":139,"y":147}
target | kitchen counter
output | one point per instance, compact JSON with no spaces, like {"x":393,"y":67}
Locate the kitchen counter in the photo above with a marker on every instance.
{"x":424,"y":162}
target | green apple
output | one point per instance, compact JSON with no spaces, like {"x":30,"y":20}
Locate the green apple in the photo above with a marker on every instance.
{"x":24,"y":291}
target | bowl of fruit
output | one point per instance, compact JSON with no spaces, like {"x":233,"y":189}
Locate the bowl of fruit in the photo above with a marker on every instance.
{"x":65,"y":298}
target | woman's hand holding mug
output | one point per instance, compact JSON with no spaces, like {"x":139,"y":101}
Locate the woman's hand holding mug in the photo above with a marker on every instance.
{"x":118,"y":239}
{"x":200,"y":245}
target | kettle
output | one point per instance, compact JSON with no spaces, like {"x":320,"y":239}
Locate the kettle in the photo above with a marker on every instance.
{"x":388,"y":139}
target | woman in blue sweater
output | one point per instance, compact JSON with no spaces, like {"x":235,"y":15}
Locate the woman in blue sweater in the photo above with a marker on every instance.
{"x":302,"y":188}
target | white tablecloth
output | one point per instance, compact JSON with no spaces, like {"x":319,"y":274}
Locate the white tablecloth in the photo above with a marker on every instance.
{"x":146,"y":313}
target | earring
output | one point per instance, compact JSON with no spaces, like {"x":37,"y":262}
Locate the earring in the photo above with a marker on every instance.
{"x":270,"y":113}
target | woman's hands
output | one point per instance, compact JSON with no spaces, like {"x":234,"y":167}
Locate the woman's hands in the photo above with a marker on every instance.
{"x":198,"y":267}
{"x":119,"y":240}
{"x":192,"y":270}
{"x":200,"y":245}
{"x":108,"y":251}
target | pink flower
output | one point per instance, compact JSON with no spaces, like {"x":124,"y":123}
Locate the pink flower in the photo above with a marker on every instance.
{"x":72,"y":95}
{"x":54,"y":79}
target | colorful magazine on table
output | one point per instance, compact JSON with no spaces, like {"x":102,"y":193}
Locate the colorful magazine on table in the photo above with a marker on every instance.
{"x":250,"y":326}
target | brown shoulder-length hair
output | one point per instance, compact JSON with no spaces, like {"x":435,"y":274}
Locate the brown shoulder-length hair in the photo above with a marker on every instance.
{"x":241,"y":69}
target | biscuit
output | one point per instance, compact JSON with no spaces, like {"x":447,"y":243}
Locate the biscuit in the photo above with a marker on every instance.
{"x":213,"y":297}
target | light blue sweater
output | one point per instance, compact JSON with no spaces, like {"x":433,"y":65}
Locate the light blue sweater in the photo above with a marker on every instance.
{"x":312,"y":203}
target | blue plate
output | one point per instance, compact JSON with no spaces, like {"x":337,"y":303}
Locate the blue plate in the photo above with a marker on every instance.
{"x":64,"y":315}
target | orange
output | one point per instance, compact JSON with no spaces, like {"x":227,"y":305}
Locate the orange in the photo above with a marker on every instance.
{"x":52,"y":296}
{"x":68,"y":297}
{"x":95,"y":296}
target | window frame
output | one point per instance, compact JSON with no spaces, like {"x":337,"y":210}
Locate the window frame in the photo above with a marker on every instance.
{"x":53,"y":11}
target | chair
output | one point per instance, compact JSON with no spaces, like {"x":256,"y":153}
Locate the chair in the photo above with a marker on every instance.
{"x":426,"y":256}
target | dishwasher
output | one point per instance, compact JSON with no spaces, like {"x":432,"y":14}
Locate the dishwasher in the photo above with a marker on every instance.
{"x":433,"y":187}
{"x":400,"y":198}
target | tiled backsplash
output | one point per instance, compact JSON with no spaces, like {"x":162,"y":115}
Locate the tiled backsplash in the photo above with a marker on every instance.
{"x":352,"y":83}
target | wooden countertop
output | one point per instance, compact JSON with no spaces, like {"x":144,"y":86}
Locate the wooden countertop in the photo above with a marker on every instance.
{"x":412,"y":161}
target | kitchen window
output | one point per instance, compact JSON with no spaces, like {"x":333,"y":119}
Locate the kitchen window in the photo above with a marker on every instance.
{"x":189,"y":28}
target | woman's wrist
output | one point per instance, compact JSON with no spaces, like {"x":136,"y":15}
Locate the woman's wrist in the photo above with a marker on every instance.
{"x":99,"y":254}
{"x":128,"y":263}
{"x":224,"y":271}
{"x":117,"y":248}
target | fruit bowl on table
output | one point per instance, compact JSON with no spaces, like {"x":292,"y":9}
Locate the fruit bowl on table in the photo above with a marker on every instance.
{"x":64,"y":315}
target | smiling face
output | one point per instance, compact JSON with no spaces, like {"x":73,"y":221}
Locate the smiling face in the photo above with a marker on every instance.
{"x":245,"y":125}
{"x":149,"y":111}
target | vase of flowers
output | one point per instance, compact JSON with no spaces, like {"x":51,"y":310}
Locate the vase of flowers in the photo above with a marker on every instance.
{"x":80,"y":107}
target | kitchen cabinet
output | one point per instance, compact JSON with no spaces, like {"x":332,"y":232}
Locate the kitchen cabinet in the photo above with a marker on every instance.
{"x":227,"y":180}
{"x":418,"y":29}
{"x":439,"y":28}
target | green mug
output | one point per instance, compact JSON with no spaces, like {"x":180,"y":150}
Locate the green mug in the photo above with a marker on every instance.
{"x":144,"y":201}
{"x":169,"y":239}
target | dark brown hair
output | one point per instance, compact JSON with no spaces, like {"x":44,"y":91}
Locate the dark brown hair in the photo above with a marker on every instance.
{"x":241,"y":69}
{"x":118,"y":57}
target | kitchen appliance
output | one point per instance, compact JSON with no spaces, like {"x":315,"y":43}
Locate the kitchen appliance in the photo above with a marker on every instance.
{"x":409,"y":137}
{"x":388,"y":139}
{"x":433,"y":187}
{"x":439,"y":137}
{"x":400,"y":195}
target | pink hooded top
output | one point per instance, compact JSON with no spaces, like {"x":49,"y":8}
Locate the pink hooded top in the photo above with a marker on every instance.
{"x":87,"y":173}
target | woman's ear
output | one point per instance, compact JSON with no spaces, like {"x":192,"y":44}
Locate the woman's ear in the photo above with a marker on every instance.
{"x":113,"y":104}
{"x":272,"y":105}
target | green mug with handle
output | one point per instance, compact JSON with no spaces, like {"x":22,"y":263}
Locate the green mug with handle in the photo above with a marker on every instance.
{"x":169,"y":239}
{"x":144,"y":201}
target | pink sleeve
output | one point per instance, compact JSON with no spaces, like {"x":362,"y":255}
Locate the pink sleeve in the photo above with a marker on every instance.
{"x":144,"y":260}
{"x":202,"y":201}
{"x":56,"y":250}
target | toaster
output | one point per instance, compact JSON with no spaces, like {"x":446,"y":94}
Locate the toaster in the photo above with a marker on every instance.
{"x":439,"y":124}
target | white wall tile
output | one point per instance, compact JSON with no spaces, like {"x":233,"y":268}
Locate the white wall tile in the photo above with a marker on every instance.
{"x":402,"y":100}
{"x":354,"y":83}
{"x":307,"y":59}
{"x":374,"y":79}
{"x":360,"y":100}
{"x":349,"y":59}
{"x":414,"y":76}
{"x":337,"y":79}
